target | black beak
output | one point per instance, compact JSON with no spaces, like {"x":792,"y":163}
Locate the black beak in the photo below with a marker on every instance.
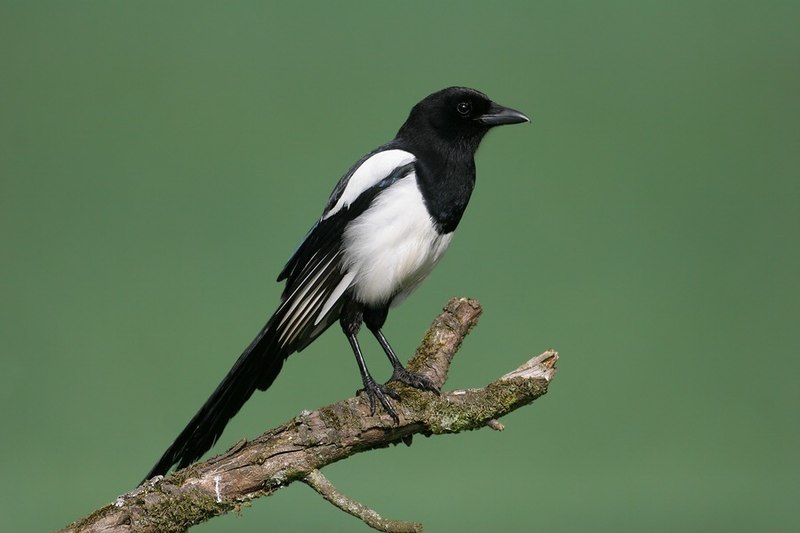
{"x":499,"y":115}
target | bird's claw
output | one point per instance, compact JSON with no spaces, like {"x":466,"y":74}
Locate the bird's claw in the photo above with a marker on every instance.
{"x":375,"y":390}
{"x":412,"y":379}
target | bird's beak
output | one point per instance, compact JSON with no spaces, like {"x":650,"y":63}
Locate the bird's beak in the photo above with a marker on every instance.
{"x":499,"y":115}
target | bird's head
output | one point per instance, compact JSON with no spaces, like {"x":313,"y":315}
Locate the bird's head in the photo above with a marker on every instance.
{"x":457,"y":115}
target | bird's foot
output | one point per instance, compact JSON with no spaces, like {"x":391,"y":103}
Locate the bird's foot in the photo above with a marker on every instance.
{"x":380,"y":392}
{"x":412,"y":379}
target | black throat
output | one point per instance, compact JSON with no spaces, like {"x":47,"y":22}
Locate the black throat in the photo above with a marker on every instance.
{"x":446,"y":178}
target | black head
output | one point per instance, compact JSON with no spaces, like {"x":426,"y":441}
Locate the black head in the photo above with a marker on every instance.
{"x":457,"y":114}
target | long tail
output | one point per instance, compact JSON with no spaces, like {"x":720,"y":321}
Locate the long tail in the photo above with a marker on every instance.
{"x":256,"y":368}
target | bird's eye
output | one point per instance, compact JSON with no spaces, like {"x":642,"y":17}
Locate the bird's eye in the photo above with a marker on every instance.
{"x":464,"y":108}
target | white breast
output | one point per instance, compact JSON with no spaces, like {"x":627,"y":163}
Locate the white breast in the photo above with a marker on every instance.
{"x":392,"y":246}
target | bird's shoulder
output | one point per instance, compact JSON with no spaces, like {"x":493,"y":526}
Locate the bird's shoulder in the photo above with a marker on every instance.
{"x":371,"y":170}
{"x":351,"y":196}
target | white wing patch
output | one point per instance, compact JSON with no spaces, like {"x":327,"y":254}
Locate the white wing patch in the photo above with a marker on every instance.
{"x":347,"y":280}
{"x":299,"y":299}
{"x":305,"y":300}
{"x":370,"y":173}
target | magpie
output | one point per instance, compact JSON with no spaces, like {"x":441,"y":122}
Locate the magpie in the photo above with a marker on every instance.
{"x":385,"y":226}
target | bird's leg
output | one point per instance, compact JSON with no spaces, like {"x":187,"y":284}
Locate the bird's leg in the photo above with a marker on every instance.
{"x":351,"y":323}
{"x":372,"y":389}
{"x":418,"y":381}
{"x":374,"y":318}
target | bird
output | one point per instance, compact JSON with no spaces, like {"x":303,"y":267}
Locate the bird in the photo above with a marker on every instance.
{"x":384,"y":228}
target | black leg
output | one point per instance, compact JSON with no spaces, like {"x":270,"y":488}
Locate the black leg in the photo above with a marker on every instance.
{"x":372,"y":389}
{"x":388,"y":349}
{"x":418,"y":381}
{"x":351,"y":323}
{"x":374,"y":319}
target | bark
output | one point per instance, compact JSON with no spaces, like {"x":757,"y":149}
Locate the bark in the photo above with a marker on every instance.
{"x":297,"y":450}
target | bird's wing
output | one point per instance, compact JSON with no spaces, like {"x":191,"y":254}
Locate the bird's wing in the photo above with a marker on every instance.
{"x":367,"y":173}
{"x":315,"y":279}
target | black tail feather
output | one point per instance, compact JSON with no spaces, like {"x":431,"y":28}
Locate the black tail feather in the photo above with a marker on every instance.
{"x":256,"y":368}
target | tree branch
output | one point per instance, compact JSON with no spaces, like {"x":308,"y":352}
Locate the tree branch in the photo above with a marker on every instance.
{"x":317,"y":481}
{"x":296,"y":450}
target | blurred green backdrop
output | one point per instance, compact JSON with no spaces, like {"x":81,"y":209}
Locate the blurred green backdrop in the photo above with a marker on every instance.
{"x":160,"y":162}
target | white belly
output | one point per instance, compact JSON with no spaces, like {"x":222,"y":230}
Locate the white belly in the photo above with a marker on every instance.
{"x":392,"y":246}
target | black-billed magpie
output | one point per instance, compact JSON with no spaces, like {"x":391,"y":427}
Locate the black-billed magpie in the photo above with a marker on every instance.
{"x":386,"y":225}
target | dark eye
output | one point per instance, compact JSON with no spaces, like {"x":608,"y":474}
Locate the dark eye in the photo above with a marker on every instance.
{"x":464,"y":108}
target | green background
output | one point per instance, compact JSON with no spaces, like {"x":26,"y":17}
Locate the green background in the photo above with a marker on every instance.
{"x":160,"y":162}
